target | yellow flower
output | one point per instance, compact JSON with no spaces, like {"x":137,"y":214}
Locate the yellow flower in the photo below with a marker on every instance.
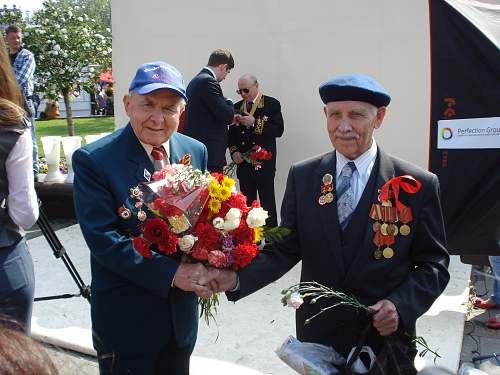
{"x":224,"y":193}
{"x":228,"y":182}
{"x":214,"y":205}
{"x":258,"y":234}
{"x":214,"y":188}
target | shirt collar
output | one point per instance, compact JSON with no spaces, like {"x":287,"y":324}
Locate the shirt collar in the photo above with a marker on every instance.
{"x":149,"y":148}
{"x":362,"y":162}
{"x":211,"y":71}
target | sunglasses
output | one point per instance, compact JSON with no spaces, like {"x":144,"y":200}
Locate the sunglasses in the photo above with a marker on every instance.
{"x":242,"y":91}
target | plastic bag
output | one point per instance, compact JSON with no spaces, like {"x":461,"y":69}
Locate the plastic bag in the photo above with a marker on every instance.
{"x":308,"y":358}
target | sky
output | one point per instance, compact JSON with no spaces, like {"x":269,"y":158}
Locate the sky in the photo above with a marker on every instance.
{"x":25,"y":5}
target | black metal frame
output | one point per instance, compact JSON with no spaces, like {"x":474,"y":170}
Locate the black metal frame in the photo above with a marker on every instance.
{"x":60,"y":252}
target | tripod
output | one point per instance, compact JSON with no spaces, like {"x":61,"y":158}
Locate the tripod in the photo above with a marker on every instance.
{"x":60,"y":252}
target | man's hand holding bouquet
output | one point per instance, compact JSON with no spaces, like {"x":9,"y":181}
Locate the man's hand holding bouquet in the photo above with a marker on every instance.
{"x":202,"y":218}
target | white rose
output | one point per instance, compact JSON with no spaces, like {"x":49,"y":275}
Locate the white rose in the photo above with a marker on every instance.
{"x":186,"y":242}
{"x":57,"y":47}
{"x":257,"y":217}
{"x":231,"y":224}
{"x":218,"y":223}
{"x":234,"y":214}
{"x":295,"y":301}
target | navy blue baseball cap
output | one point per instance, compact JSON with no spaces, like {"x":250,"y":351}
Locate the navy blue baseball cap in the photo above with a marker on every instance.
{"x":157,"y":75}
{"x":356,"y":87}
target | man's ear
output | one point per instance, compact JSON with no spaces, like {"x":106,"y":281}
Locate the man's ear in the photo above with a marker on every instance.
{"x":126,"y":102}
{"x":324,"y":110}
{"x":380,"y":117}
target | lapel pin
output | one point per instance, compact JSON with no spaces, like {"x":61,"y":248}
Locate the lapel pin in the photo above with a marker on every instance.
{"x":147,"y":175}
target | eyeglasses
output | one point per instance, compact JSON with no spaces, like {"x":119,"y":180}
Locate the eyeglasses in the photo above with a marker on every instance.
{"x":242,"y":91}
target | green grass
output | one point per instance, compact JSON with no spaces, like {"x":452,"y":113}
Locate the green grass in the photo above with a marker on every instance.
{"x":83,"y":127}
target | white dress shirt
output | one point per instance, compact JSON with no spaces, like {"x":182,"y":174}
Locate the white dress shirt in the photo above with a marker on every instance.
{"x":364,"y":165}
{"x":22,"y":201}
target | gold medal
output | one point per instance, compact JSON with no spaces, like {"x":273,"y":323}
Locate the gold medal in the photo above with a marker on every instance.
{"x":376,"y":226}
{"x":388,"y":253}
{"x":383,"y":229}
{"x":392,"y":230}
{"x":329,"y":198}
{"x":405,"y":230}
{"x":377,"y":254}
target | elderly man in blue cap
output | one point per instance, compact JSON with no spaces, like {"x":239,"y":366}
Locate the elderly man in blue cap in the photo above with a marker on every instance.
{"x":362,"y":222}
{"x":144,"y":311}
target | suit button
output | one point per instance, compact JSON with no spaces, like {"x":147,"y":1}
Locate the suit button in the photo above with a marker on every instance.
{"x":243,"y":132}
{"x":253,"y":143}
{"x":243,"y":143}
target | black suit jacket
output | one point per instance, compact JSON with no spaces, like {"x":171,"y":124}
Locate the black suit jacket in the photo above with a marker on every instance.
{"x":268,"y":126}
{"x":412,"y":279}
{"x":208,"y":114}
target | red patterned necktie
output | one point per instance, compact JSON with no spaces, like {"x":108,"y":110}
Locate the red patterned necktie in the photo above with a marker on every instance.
{"x":158,"y":155}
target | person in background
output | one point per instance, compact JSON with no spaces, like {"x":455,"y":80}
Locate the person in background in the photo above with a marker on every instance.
{"x":493,"y":302}
{"x":208,"y":112}
{"x":258,"y":123}
{"x":18,"y":200}
{"x":23,"y":63}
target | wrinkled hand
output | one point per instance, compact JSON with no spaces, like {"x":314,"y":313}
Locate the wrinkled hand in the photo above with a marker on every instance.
{"x":385,"y":317}
{"x":190,"y":277}
{"x":220,"y":280}
{"x":236,"y":120}
{"x":247,"y":120}
{"x":237,"y":157}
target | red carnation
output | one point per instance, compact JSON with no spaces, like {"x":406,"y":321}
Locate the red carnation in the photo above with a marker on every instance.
{"x":255,"y":204}
{"x":243,"y":234}
{"x":217,"y":258}
{"x":158,"y":203}
{"x":208,"y":237}
{"x":199,"y":252}
{"x":168,"y":247}
{"x":237,"y":200}
{"x":243,"y":255}
{"x":142,"y":247}
{"x":156,"y":230}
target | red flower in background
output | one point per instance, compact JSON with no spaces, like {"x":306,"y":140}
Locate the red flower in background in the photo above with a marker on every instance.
{"x":243,"y":254}
{"x":156,"y":230}
{"x":142,"y":247}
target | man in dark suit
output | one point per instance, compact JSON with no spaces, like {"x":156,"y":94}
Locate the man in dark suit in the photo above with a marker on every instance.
{"x":144,"y":311}
{"x":208,"y":112}
{"x":358,"y":227}
{"x":259,"y":122}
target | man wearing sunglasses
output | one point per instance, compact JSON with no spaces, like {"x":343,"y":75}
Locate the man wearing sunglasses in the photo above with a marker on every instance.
{"x":208,"y":112}
{"x":258,"y":122}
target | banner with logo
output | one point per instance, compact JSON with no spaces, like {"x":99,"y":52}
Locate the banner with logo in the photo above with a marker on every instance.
{"x":465,"y":121}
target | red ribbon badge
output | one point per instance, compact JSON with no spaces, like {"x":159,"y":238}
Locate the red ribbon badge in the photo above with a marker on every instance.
{"x":408,"y":183}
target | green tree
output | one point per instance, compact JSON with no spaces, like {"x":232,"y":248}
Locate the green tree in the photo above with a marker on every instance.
{"x":70,"y":48}
{"x":11,"y":16}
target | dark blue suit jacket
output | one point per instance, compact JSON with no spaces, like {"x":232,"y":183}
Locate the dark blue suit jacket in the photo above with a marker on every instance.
{"x":208,"y":114}
{"x":134,"y":309}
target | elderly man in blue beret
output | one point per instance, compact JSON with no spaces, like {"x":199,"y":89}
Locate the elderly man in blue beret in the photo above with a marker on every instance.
{"x":144,"y":310}
{"x":362,"y":222}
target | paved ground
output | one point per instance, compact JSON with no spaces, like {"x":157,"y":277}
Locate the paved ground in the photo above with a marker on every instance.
{"x":245,"y":348}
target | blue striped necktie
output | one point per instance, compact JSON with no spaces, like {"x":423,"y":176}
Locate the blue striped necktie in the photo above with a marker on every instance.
{"x":345,"y":194}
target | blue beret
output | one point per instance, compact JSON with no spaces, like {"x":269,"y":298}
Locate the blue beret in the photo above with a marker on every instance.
{"x":356,"y":87}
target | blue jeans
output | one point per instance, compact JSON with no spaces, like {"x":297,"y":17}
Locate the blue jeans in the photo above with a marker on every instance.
{"x":17,"y":284}
{"x":31,"y":106}
{"x":495,"y":267}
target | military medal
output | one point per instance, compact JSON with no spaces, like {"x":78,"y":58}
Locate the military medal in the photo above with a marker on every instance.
{"x":383,"y":229}
{"x":377,"y":254}
{"x":387,"y":253}
{"x":326,"y":190}
{"x":141,"y":215}
{"x":404,"y":230}
{"x":124,"y":212}
{"x":392,"y":230}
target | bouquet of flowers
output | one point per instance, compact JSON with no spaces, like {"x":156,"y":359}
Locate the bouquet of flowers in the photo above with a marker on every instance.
{"x":202,"y":216}
{"x":254,"y":156}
